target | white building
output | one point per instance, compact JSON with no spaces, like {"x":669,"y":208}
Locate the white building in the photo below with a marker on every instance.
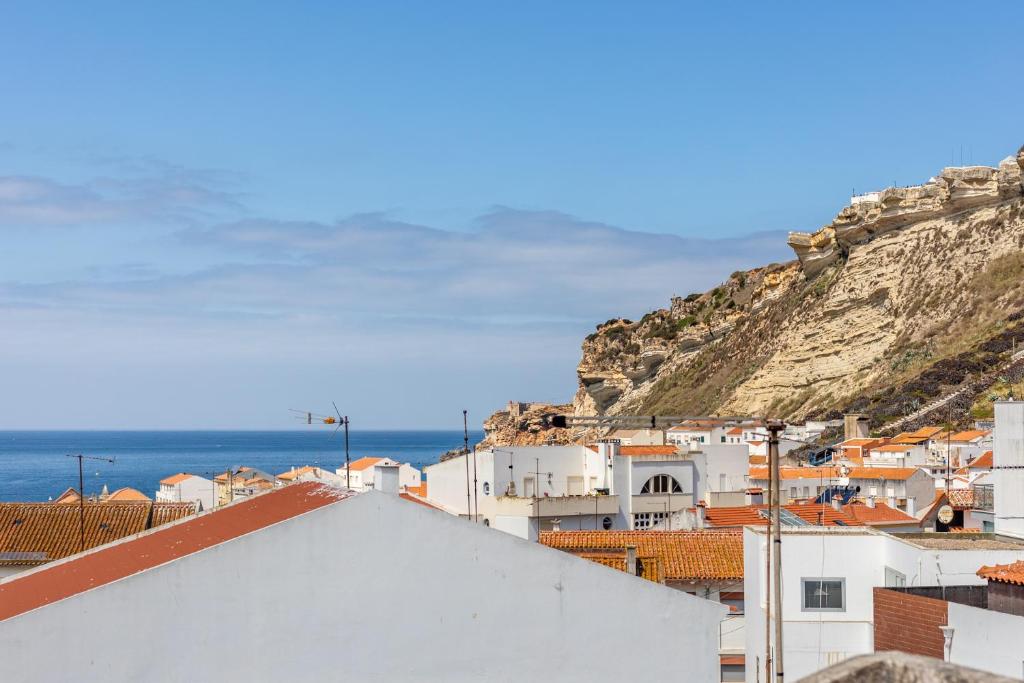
{"x":310,"y":473}
{"x":906,"y":488}
{"x":362,"y":473}
{"x":525,"y":489}
{"x":188,"y":488}
{"x":478,"y":606}
{"x":1007,"y":474}
{"x":828,"y":577}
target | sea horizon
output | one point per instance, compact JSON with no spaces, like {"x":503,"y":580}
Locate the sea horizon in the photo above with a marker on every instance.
{"x":34,"y":465}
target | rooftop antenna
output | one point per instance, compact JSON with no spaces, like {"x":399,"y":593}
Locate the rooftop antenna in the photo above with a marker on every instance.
{"x":81,"y":494}
{"x":337,"y":419}
{"x":465,"y":456}
{"x":465,"y":441}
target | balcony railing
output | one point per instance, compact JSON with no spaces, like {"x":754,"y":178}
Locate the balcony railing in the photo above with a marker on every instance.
{"x":983,"y":497}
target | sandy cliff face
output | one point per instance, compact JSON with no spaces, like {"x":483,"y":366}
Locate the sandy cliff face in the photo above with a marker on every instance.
{"x":899,"y":279}
{"x":907,"y":294}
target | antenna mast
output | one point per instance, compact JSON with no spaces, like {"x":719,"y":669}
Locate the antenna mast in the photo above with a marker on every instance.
{"x":81,"y":495}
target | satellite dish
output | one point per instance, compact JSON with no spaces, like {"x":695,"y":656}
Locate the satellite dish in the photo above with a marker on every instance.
{"x":946,"y":514}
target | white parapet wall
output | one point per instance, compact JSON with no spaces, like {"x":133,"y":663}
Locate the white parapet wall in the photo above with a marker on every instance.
{"x":373,"y":588}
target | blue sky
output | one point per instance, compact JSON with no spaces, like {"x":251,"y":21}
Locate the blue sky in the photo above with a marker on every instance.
{"x":213,"y":212}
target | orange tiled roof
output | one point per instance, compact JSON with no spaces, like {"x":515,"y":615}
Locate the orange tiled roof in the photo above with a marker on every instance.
{"x":176,"y":478}
{"x":880,"y":515}
{"x":70,"y":495}
{"x":758,"y":459}
{"x":37,"y":533}
{"x":982,"y":462}
{"x":969,"y":435}
{"x":832,"y":472}
{"x":650,"y":567}
{"x":106,"y":565}
{"x":1004,"y":573}
{"x":292,"y":474}
{"x":684,"y":555}
{"x":735,"y":431}
{"x":420,"y":490}
{"x":363,"y":463}
{"x":750,"y":515}
{"x":126,"y":493}
{"x":961,"y":499}
{"x":893,"y":448}
{"x":857,"y":443}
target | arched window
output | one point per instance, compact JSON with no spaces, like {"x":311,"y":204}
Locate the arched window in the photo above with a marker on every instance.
{"x":661,"y":483}
{"x":487,"y":488}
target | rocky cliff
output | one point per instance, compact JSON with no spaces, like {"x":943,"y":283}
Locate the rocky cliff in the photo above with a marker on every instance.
{"x":908,"y":295}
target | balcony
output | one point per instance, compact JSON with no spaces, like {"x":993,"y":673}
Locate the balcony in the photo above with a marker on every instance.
{"x":555,"y":506}
{"x":983,"y":498}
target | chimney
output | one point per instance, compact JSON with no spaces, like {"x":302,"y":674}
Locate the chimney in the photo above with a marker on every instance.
{"x":837,"y":503}
{"x":871,"y":501}
{"x":385,"y":479}
{"x":911,"y":506}
{"x":608,"y":449}
{"x":699,"y":509}
{"x":631,"y":560}
{"x":556,"y":525}
{"x":892,"y":501}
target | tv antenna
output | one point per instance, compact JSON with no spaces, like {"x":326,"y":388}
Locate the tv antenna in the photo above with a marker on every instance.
{"x":337,"y":419}
{"x":81,"y":494}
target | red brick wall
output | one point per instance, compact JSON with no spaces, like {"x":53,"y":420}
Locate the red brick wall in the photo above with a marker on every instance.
{"x":909,"y":623}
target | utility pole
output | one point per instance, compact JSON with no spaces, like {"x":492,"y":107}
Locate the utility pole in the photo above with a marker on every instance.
{"x":81,"y":495}
{"x":774,"y":427}
{"x":465,"y":456}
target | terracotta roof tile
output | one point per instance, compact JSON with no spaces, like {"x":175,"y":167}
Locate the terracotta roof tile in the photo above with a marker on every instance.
{"x":880,"y":515}
{"x":651,"y":567}
{"x":1004,"y":573}
{"x":176,"y":478}
{"x":982,"y":462}
{"x":684,"y":555}
{"x":750,"y":515}
{"x":37,"y":533}
{"x":126,"y":493}
{"x":116,"y":561}
{"x":961,"y":499}
{"x":969,"y":435}
{"x":363,"y":463}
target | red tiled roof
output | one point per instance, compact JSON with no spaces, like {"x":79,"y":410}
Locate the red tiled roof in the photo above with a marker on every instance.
{"x":420,"y":490}
{"x":735,"y":431}
{"x":643,"y":450}
{"x":684,"y":555}
{"x":880,"y":515}
{"x":37,"y":533}
{"x":650,"y":567}
{"x":749,"y":515}
{"x":119,"y":560}
{"x":1004,"y":573}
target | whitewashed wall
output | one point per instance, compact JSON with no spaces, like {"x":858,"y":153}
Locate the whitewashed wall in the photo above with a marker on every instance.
{"x":987,"y":640}
{"x":374,"y":589}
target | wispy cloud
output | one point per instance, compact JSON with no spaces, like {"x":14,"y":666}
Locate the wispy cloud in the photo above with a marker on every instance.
{"x":155,"y":193}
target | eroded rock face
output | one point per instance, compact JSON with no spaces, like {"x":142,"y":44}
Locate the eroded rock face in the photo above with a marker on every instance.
{"x":953,"y":191}
{"x":527,"y":427}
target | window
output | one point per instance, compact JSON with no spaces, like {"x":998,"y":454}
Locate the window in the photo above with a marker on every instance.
{"x":645,"y":520}
{"x":575,"y":486}
{"x":807,"y":492}
{"x":606,"y":523}
{"x":487,"y":488}
{"x":987,"y":526}
{"x":824,"y":595}
{"x":528,"y":490}
{"x":894,"y":579}
{"x":723,"y":439}
{"x":702,"y":439}
{"x":661,"y":483}
{"x":723,"y":482}
{"x":792,"y":493}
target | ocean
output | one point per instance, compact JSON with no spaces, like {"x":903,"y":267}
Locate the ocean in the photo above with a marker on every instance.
{"x":34,"y":465}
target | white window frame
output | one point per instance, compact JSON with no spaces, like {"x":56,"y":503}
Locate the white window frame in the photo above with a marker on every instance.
{"x":821,"y":579}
